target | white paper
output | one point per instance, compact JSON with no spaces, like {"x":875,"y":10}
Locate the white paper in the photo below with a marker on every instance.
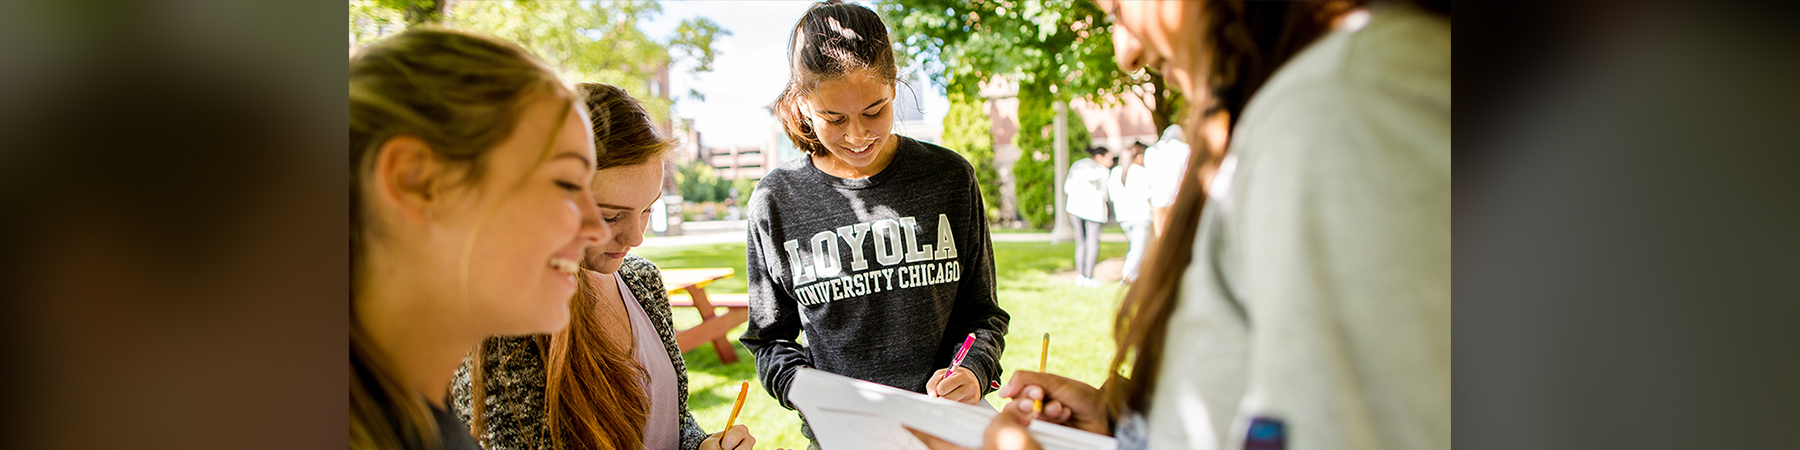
{"x":846,"y":413}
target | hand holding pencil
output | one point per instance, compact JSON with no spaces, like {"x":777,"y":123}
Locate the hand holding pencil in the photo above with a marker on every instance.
{"x":735,"y":437}
{"x":1054,"y":398}
{"x":1066,"y":401}
{"x":956,"y":383}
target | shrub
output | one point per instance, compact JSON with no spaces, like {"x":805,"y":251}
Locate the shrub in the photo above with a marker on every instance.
{"x":967,"y":130}
{"x":1035,"y":173}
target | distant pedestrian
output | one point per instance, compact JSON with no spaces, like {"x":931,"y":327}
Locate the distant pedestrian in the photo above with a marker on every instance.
{"x":1129,"y":191}
{"x":1165,"y":163}
{"x":1086,"y":188}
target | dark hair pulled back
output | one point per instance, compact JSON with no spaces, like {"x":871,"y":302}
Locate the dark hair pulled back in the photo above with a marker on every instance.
{"x":831,"y":40}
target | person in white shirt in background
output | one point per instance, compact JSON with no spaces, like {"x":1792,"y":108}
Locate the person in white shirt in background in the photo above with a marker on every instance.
{"x":1165,"y":162}
{"x":1168,"y":161}
{"x":1086,"y":188}
{"x":1129,"y":190}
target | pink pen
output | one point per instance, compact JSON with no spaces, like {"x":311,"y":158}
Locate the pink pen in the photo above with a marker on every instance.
{"x":961,"y":353}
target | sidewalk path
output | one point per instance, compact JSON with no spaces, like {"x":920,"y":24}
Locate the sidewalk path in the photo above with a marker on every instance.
{"x":696,"y":233}
{"x":732,"y":231}
{"x":1045,"y":237}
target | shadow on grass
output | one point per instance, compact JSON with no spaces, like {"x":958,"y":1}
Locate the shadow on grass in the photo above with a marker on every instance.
{"x":724,"y":391}
{"x":713,"y":387}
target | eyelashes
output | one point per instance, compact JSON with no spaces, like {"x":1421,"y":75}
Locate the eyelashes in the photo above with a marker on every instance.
{"x":621,"y":216}
{"x":568,"y":186}
{"x":873,"y":115}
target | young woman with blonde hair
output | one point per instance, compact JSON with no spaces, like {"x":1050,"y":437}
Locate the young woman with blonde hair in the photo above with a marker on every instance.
{"x":469,"y":210}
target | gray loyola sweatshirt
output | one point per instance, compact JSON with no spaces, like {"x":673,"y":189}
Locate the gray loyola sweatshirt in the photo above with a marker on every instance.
{"x":886,"y":275}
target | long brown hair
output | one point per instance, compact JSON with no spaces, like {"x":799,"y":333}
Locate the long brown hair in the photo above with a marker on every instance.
{"x":594,"y":395}
{"x":832,"y":39}
{"x":623,"y":132}
{"x":463,"y":94}
{"x":1248,"y":41}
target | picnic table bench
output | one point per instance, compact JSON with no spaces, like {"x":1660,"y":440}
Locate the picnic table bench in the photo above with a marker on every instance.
{"x":713,"y":326}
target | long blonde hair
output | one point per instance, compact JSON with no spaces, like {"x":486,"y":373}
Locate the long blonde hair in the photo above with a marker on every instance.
{"x":462,"y":94}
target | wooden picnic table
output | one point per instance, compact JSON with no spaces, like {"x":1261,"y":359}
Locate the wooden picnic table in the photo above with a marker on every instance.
{"x":712,"y":327}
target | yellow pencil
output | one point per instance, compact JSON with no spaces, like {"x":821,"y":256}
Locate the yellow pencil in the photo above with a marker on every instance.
{"x":739,"y":406}
{"x":1043,"y":357}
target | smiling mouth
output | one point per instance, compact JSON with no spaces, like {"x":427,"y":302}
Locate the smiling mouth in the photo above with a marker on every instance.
{"x":564,"y":265}
{"x":860,"y":150}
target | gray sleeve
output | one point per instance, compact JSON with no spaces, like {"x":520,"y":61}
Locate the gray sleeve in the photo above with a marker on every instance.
{"x":977,"y":311}
{"x":774,"y":323}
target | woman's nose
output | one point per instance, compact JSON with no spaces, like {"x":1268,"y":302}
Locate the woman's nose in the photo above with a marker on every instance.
{"x":856,"y":132}
{"x":632,"y":232}
{"x":859,"y":134}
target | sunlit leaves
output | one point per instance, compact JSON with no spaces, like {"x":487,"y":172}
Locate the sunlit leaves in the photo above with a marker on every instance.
{"x":1035,"y":42}
{"x":586,"y":41}
{"x":695,"y":37}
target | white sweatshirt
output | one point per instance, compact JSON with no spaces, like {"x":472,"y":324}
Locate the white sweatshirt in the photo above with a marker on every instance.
{"x":1319,"y":292}
{"x":1130,"y":195}
{"x":1086,"y":187}
{"x":1167,"y":161}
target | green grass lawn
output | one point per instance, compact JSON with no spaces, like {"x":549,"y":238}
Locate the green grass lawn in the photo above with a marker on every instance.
{"x":1078,"y":319}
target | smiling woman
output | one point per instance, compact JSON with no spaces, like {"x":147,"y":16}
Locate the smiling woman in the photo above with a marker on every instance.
{"x":836,"y":105}
{"x":469,"y":210}
{"x":876,"y":245}
{"x":614,"y":378}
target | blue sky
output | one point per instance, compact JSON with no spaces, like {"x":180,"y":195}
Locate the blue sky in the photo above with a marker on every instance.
{"x":749,"y":71}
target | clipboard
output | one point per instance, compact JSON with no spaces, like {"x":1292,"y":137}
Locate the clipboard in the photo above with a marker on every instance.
{"x":847,"y":413}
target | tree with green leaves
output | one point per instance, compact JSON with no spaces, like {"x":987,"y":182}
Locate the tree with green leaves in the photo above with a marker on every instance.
{"x":698,"y":182}
{"x":1054,"y":51}
{"x":587,"y":41}
{"x":1034,"y":173}
{"x":967,"y":131}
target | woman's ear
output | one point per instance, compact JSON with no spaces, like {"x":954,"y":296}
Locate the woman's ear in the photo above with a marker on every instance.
{"x":406,"y":177}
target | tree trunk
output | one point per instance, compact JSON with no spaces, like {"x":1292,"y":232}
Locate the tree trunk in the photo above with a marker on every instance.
{"x":1061,"y":232}
{"x":1165,"y":104}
